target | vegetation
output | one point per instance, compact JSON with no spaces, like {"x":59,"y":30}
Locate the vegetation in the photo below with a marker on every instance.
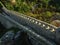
{"x":39,"y":9}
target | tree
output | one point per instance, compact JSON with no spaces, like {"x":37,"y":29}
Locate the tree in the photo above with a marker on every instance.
{"x":46,"y":2}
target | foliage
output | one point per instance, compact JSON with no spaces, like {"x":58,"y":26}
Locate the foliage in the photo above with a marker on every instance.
{"x":46,"y":2}
{"x":39,"y":9}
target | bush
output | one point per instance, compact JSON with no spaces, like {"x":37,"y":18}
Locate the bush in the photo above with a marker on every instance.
{"x":48,"y":14}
